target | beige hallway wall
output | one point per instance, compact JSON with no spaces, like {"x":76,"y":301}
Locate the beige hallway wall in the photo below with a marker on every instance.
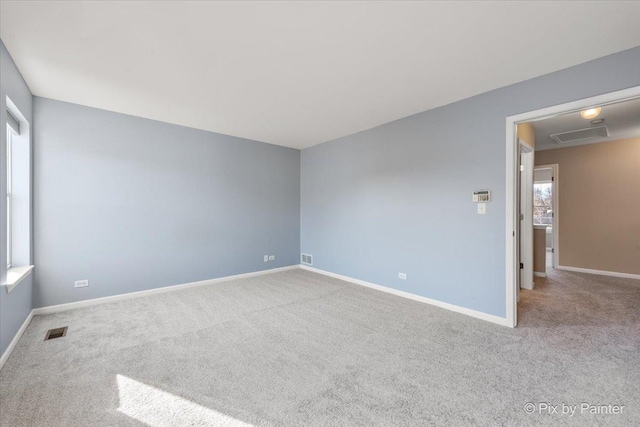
{"x":539,"y":250}
{"x":599,"y":204}
{"x":526,"y":133}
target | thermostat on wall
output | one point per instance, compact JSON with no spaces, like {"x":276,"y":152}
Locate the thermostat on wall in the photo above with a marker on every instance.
{"x":481,"y":196}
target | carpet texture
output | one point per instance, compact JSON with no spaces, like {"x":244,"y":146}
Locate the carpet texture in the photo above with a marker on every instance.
{"x":297,"y":348}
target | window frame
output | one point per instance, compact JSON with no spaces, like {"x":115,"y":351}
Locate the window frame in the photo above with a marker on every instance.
{"x":9,"y":194}
{"x":19,"y":198}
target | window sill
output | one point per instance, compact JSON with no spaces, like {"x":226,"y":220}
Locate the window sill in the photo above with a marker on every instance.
{"x":15,"y":275}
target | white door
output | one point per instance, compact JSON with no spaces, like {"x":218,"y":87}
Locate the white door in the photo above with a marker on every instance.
{"x":525,"y":217}
{"x":519,"y":215}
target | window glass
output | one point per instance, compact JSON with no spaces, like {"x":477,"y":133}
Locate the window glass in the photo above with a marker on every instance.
{"x":542,"y":204}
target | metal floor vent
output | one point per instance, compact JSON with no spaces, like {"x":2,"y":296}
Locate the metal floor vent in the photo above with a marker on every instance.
{"x":56,"y":333}
{"x":307,"y":259}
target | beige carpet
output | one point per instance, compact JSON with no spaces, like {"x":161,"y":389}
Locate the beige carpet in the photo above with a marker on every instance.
{"x":296,"y":348}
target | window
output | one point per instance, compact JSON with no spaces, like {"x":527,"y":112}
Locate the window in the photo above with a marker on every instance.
{"x":18,"y":197}
{"x":542,"y":203}
{"x":10,"y":132}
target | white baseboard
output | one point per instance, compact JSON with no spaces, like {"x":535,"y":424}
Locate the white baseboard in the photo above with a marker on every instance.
{"x":16,"y":338}
{"x":95,"y":301}
{"x":451,"y":307}
{"x":600,"y":272}
{"x":539,"y":274}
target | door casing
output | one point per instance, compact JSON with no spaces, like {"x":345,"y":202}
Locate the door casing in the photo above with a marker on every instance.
{"x":512,"y":239}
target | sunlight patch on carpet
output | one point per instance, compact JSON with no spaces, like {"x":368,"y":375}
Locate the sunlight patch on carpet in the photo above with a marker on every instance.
{"x":158,"y":408}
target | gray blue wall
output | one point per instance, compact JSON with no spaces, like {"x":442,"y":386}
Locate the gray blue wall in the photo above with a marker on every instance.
{"x":133,"y":204}
{"x":14,"y":306}
{"x":397,"y":198}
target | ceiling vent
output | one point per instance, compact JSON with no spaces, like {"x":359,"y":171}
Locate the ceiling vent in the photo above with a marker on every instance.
{"x":581,"y":134}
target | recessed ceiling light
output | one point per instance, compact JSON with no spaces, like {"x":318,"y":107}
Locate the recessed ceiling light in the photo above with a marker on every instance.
{"x":597,"y":121}
{"x":591,"y":113}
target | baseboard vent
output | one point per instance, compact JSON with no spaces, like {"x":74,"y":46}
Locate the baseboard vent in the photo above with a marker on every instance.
{"x":56,"y":333}
{"x":306,"y":259}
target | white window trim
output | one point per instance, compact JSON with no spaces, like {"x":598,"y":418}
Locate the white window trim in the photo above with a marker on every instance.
{"x":16,"y":275}
{"x":9,"y":191}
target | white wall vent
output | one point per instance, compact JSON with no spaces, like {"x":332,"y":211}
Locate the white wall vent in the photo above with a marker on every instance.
{"x":306,"y":259}
{"x":580,"y":134}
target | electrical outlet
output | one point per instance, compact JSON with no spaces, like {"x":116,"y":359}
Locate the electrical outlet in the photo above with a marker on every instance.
{"x":266,"y":258}
{"x":272,"y":257}
{"x":402,"y":276}
{"x":81,"y":284}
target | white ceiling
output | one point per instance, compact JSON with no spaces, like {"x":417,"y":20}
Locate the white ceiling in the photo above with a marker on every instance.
{"x":299,"y":73}
{"x":622,"y":120}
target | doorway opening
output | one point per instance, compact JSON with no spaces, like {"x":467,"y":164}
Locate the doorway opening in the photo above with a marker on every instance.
{"x":519,"y":226}
{"x":545,"y":218}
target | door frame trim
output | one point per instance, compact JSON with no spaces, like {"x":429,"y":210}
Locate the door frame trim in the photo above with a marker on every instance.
{"x":511,"y":240}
